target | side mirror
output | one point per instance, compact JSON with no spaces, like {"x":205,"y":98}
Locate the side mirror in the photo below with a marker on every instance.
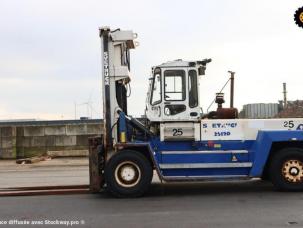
{"x":201,"y":70}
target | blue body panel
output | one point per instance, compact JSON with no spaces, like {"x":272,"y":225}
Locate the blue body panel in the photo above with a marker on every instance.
{"x":263,"y":143}
{"x":205,"y":172}
{"x":190,"y":152}
{"x":206,"y":158}
{"x":157,"y":145}
{"x":256,"y":152}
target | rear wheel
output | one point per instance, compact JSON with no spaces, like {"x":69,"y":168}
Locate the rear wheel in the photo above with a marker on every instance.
{"x":286,"y":169}
{"x":128,"y":174}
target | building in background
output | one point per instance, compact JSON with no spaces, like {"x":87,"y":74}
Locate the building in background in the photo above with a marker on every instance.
{"x":292,"y":109}
{"x":260,"y":110}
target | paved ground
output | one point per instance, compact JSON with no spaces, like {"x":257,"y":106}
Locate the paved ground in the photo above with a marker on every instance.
{"x":225,"y":204}
{"x":59,"y":171}
{"x":236,"y":204}
{"x":69,"y":171}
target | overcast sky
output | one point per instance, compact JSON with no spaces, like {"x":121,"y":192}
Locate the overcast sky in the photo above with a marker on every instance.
{"x":50,"y":50}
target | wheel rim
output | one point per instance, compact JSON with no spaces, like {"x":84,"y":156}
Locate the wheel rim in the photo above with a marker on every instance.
{"x":127,"y":174}
{"x":292,"y":171}
{"x":301,"y":17}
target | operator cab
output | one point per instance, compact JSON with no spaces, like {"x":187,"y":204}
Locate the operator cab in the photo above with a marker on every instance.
{"x":173,"y":93}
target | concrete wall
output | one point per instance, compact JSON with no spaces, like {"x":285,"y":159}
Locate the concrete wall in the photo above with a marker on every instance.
{"x":8,"y":142}
{"x":27,"y":139}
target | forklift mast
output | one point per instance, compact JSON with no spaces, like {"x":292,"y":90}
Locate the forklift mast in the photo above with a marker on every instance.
{"x":115,"y":48}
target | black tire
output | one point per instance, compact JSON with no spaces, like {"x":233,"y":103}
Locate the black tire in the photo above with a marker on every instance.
{"x":299,"y":17}
{"x":139,"y":170}
{"x":286,"y":169}
{"x":265,"y":177}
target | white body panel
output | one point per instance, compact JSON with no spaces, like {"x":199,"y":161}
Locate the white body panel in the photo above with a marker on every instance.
{"x":229,"y":129}
{"x":180,"y":131}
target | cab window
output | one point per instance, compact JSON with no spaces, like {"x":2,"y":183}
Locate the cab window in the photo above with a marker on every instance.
{"x":174,"y":89}
{"x":156,"y":97}
{"x":193,"y":88}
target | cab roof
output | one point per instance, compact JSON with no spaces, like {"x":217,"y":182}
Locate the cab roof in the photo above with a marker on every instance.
{"x":182,"y":63}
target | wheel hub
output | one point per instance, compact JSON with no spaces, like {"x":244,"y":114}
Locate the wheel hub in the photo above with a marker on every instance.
{"x":127,"y":174}
{"x":292,"y":171}
{"x":301,"y":17}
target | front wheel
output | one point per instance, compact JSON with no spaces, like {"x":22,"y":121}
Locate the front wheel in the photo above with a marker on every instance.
{"x":128,"y":174}
{"x":286,"y":169}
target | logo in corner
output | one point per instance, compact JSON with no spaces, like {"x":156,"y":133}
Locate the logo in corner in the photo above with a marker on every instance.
{"x":299,"y":17}
{"x":300,"y":127}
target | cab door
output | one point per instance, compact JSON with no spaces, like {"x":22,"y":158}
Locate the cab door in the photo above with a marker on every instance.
{"x":155,"y":99}
{"x":174,"y":94}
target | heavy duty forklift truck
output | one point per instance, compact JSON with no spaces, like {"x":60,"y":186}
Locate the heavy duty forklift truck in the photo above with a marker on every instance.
{"x":176,"y":139}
